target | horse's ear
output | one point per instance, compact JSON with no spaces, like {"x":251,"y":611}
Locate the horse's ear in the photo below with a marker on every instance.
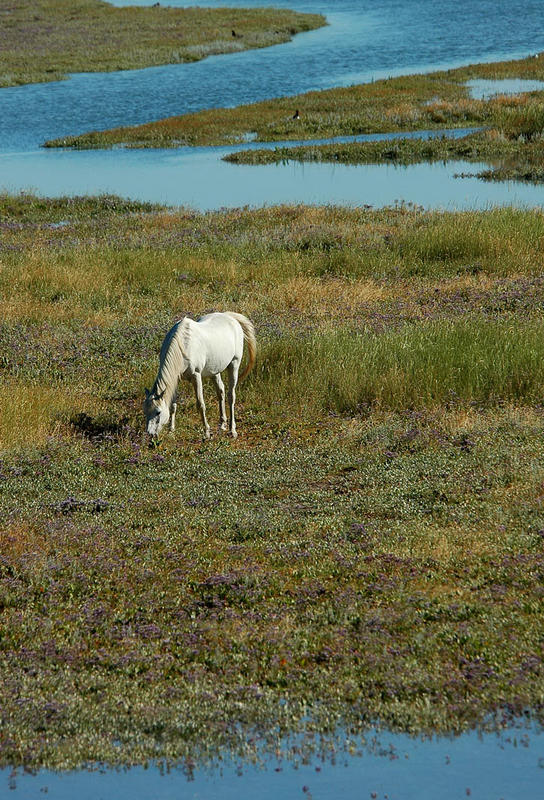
{"x":147,"y":393}
{"x":161,"y":395}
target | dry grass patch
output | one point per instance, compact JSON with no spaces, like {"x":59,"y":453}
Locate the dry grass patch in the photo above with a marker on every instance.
{"x":18,"y":540}
{"x":32,"y":413}
{"x":326,"y":299}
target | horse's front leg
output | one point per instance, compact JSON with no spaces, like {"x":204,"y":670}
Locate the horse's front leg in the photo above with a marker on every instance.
{"x":220,"y":390}
{"x":173,"y":409}
{"x":197,"y":383}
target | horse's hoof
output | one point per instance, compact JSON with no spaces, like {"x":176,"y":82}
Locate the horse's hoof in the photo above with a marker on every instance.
{"x":234,"y":434}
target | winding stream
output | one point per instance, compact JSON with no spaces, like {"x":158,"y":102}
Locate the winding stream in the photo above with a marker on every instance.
{"x":363,"y":41}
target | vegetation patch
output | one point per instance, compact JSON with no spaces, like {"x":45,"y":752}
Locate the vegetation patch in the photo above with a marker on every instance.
{"x":46,"y":40}
{"x":437,"y":100}
{"x":369,"y":550}
{"x":512,"y":157}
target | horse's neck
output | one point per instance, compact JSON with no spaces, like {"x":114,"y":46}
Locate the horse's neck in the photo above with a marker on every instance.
{"x":171,"y":368}
{"x":166,"y":389}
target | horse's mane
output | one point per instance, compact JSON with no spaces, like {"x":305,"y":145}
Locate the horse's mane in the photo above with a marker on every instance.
{"x":172,"y":356}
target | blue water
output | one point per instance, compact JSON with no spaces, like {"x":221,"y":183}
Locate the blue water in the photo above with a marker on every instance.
{"x":364,"y":40}
{"x":200,"y":179}
{"x":508,"y":766}
{"x":484,"y":89}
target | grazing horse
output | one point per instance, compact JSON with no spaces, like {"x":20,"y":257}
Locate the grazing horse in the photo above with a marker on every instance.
{"x":196,"y":350}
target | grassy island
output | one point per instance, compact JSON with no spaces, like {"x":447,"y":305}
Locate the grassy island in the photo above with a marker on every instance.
{"x":434,"y":101}
{"x":369,"y":550}
{"x":46,"y":40}
{"x":515,"y":156}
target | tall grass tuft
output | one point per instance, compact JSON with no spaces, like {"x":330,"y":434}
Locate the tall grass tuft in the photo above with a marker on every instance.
{"x":526,"y":121}
{"x":474,"y":361}
{"x":501,"y":240}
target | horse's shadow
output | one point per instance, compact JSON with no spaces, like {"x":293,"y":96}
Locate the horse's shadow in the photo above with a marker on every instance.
{"x":99,"y":428}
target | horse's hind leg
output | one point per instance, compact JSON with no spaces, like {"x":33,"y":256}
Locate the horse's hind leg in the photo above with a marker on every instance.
{"x":220,"y":389}
{"x":197,"y":383}
{"x":233,"y":380}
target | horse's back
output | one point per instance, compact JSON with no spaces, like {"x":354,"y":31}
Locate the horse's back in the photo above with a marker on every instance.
{"x":219,"y":325}
{"x":218,"y":340}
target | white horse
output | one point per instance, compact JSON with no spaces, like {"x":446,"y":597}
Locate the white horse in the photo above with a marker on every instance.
{"x":196,"y":350}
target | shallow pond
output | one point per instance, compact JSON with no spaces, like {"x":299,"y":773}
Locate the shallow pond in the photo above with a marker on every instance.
{"x":509,"y":765}
{"x":200,"y":179}
{"x":484,"y":89}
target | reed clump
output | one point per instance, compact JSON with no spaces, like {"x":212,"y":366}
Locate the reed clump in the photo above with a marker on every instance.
{"x":525,"y":121}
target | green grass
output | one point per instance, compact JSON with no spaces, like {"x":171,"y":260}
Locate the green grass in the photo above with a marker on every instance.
{"x":472,"y":361}
{"x":369,"y":550}
{"x":46,"y":40}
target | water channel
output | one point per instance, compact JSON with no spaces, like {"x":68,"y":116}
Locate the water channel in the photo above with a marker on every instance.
{"x":363,"y":41}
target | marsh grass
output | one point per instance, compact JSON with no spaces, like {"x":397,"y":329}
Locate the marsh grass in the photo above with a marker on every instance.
{"x":413,"y":102}
{"x":46,"y":40}
{"x":514,"y":149}
{"x":368,"y":550}
{"x":393,"y":105}
{"x":488,"y":145}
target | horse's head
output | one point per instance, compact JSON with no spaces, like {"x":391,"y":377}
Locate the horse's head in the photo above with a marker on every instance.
{"x":156,"y":412}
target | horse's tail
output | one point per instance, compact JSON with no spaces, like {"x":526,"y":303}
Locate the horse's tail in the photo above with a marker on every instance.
{"x":249,"y":336}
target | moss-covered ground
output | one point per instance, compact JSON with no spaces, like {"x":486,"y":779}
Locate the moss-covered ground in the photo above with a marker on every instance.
{"x":370,"y":549}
